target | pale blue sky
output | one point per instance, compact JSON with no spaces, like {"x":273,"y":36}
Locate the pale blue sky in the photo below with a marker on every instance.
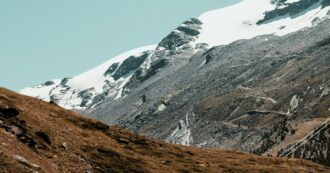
{"x":47,"y":39}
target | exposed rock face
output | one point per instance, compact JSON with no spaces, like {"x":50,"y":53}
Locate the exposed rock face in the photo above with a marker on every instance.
{"x":172,"y":52}
{"x":185,"y":33}
{"x":129,"y":64}
{"x":111,"y":69}
{"x":48,"y":83}
{"x":143,"y":74}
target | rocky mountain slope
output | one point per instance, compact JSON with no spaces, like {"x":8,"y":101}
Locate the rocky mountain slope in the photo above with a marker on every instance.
{"x":38,"y":136}
{"x":233,"y":97}
{"x":256,"y":82}
{"x":108,"y":80}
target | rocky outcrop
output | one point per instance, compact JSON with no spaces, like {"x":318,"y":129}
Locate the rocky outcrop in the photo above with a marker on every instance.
{"x":184,"y":34}
{"x":25,"y":162}
{"x":111,"y":69}
{"x":128,"y":65}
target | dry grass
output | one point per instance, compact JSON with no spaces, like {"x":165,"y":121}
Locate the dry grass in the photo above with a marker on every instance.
{"x":94,"y":146}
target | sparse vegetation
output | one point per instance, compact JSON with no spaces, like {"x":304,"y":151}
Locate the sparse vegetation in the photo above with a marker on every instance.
{"x":96,"y":147}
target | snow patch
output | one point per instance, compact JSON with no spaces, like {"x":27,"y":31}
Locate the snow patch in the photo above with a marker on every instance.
{"x":292,"y":1}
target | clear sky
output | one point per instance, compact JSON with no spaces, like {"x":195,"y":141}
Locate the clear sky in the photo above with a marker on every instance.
{"x":42,"y":40}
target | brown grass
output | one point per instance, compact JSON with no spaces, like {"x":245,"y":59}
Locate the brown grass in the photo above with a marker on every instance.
{"x":97,"y":147}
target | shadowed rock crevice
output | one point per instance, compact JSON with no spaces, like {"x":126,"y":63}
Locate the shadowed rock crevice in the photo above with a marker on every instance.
{"x":44,"y":136}
{"x":8,"y":112}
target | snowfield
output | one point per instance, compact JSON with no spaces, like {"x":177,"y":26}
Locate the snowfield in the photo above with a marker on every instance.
{"x":223,"y":26}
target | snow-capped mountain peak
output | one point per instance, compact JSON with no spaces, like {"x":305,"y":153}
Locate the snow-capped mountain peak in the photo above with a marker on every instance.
{"x":90,"y":88}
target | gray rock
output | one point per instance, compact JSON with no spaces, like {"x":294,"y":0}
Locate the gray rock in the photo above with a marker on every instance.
{"x":292,"y":9}
{"x":64,"y":146}
{"x":25,"y":162}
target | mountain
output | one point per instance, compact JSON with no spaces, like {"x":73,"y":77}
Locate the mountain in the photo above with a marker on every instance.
{"x":39,"y":136}
{"x":252,"y":77}
{"x":108,"y":80}
{"x":90,"y":88}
